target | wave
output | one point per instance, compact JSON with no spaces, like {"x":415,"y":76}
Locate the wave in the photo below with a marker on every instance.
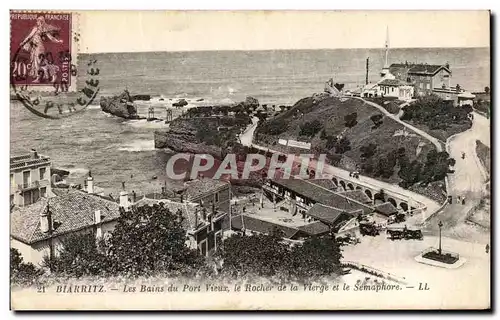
{"x":138,"y":146}
{"x":144,"y":124}
{"x":77,"y":172}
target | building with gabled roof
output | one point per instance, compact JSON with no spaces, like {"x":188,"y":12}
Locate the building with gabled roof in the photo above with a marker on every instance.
{"x":38,"y":230}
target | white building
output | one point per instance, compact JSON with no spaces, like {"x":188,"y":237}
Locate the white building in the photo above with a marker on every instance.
{"x":396,"y":88}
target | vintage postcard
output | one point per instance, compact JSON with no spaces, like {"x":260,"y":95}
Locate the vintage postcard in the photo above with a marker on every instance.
{"x":250,"y":160}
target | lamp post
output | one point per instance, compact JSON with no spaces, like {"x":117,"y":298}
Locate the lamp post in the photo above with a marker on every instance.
{"x":440,"y":225}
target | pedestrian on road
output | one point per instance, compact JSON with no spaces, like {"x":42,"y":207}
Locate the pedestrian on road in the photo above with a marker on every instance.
{"x":459,"y":199}
{"x":487,"y":248}
{"x":463,"y":200}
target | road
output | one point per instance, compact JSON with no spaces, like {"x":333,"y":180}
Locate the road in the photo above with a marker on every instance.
{"x":468,"y":180}
{"x":246,"y":138}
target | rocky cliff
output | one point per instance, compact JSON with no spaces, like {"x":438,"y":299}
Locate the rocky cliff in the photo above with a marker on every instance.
{"x":184,"y":135}
{"x":121,"y":106}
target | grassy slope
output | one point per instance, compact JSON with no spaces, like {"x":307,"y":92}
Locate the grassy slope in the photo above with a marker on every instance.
{"x":330,"y":112}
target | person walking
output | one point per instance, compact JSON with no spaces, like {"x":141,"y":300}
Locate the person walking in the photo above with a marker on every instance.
{"x":487,"y":248}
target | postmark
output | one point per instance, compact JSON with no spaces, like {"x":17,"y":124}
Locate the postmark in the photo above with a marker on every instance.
{"x":44,"y":64}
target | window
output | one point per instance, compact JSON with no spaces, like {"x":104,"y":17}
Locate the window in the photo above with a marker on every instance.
{"x":43,"y":171}
{"x":218,"y":239}
{"x":43,"y":192}
{"x":428,"y":86}
{"x":27,"y":198}
{"x":421,"y":85}
{"x":202,"y":247}
{"x":26,"y":178}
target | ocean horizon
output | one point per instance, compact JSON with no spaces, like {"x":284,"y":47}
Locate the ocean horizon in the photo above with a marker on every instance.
{"x":119,"y":150}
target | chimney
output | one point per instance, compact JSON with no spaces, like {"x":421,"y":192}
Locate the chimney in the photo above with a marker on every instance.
{"x":97,"y":222}
{"x":33,"y":154}
{"x":204,"y":212}
{"x":90,"y":183}
{"x":124,"y":203}
{"x":45,"y":220}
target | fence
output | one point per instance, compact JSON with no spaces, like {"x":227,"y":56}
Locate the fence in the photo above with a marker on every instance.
{"x":373,"y":271}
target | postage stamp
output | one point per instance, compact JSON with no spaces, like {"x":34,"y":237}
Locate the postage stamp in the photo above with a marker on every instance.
{"x":43,"y":50}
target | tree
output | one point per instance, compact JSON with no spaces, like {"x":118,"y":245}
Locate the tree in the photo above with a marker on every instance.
{"x":331,"y":142}
{"x":21,"y":272}
{"x":151,"y":239}
{"x":351,"y":119}
{"x":261,"y":255}
{"x":323,"y":135}
{"x":269,"y":256}
{"x":377,"y":120}
{"x":79,"y":256}
{"x":316,"y":257}
{"x":343,"y":145}
{"x":410,"y":173}
{"x":367,"y":151}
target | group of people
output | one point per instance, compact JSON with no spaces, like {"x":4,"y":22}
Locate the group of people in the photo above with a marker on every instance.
{"x":354,"y":174}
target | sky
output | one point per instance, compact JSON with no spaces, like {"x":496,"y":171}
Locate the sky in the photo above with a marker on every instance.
{"x":136,"y":31}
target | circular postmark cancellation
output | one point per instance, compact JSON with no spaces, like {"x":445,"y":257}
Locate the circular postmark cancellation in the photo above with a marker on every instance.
{"x":43,"y":71}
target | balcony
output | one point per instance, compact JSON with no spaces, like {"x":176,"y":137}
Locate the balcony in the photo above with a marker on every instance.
{"x":32,"y":185}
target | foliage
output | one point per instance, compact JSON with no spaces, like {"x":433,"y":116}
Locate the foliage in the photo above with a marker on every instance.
{"x":377,"y":120}
{"x":340,"y":146}
{"x":269,"y":256}
{"x":410,"y":173}
{"x":436,"y":113}
{"x":310,"y":128}
{"x":20,"y":271}
{"x":274,"y":127}
{"x":150,"y":239}
{"x":146,"y":240}
{"x":316,"y":257}
{"x":367,"y":151}
{"x":435,"y":168}
{"x":385,"y":166}
{"x":351,"y":119}
{"x":79,"y":256}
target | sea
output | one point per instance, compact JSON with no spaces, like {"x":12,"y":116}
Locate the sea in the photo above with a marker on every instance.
{"x":118,"y":150}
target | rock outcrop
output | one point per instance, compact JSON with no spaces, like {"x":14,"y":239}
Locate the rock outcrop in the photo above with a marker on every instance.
{"x":183,"y":136}
{"x":121,"y":106}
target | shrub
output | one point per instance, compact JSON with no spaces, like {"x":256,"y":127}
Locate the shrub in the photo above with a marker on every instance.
{"x":351,"y":119}
{"x":310,"y":128}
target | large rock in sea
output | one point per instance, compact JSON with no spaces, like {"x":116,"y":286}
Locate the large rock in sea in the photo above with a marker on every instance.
{"x":121,"y":106}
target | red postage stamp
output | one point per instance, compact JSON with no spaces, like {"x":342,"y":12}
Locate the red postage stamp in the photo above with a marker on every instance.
{"x":43,"y":50}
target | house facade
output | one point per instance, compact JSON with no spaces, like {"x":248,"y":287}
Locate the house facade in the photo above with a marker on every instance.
{"x":29,"y":178}
{"x":423,"y":77}
{"x":397,"y":89}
